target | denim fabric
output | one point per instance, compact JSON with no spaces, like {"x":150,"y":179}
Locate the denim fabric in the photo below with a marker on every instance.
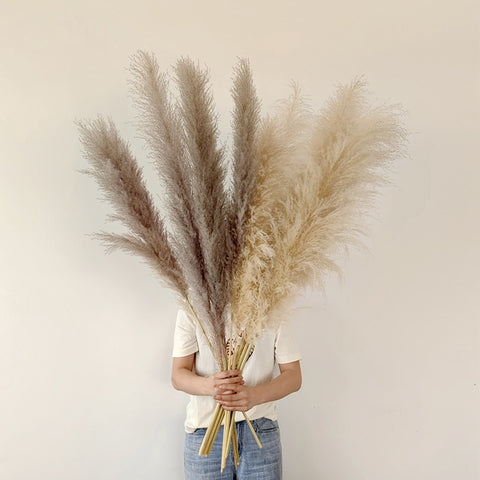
{"x":255,"y":463}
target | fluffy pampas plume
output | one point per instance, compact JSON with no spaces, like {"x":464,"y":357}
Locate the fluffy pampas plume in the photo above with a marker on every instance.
{"x":120,"y":178}
{"x":293,"y":236}
{"x":181,"y":138}
{"x":246,"y":118}
{"x":281,"y":153}
{"x":208,"y":188}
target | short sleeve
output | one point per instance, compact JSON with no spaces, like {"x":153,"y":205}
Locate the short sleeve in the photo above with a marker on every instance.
{"x":286,"y":346}
{"x":185,"y":336}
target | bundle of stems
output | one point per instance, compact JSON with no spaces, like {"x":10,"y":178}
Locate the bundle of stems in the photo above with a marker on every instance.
{"x":236,"y":358}
{"x":301,"y":184}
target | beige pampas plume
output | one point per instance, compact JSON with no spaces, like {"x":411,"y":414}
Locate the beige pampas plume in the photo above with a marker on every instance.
{"x":282,"y":140}
{"x":120,"y":178}
{"x":350,"y":147}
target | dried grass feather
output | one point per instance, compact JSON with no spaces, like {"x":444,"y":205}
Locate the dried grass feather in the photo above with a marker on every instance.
{"x":350,"y":149}
{"x":121,"y":180}
{"x":280,"y":154}
{"x":207,"y":160}
{"x":245,"y":122}
{"x":162,"y":129}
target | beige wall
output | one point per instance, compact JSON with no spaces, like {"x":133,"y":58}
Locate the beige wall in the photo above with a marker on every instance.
{"x":391,"y":355}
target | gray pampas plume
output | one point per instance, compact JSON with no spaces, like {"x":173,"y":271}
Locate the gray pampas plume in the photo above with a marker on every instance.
{"x":244,"y":172}
{"x":120,"y":178}
{"x":161,"y":127}
{"x":208,"y":187}
{"x":182,"y":139}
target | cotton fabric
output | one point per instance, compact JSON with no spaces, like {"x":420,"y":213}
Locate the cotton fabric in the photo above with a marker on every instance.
{"x":271,"y":349}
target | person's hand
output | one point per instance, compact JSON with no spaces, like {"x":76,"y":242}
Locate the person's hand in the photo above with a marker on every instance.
{"x":237,"y":397}
{"x":224,"y":382}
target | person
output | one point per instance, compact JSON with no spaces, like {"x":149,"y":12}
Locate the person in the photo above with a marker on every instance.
{"x":272,"y":372}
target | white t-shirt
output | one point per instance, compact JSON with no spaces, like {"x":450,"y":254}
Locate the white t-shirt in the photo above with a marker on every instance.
{"x":271,"y":349}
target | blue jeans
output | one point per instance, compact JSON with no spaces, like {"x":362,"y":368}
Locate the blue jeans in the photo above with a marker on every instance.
{"x":255,"y":463}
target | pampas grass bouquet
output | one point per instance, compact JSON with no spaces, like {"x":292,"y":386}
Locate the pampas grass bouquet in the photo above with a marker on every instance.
{"x":240,"y":248}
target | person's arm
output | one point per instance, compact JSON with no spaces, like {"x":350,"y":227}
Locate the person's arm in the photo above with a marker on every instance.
{"x":244,"y":397}
{"x":185,"y":379}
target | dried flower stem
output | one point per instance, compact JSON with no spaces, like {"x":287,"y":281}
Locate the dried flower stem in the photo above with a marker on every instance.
{"x":236,"y":456}
{"x":235,"y":360}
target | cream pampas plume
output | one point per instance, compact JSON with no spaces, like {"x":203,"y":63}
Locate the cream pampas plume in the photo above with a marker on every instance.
{"x":281,"y":153}
{"x":349,"y":150}
{"x":120,"y":178}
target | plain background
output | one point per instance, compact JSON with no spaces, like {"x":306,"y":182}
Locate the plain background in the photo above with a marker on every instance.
{"x":391,"y":353}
